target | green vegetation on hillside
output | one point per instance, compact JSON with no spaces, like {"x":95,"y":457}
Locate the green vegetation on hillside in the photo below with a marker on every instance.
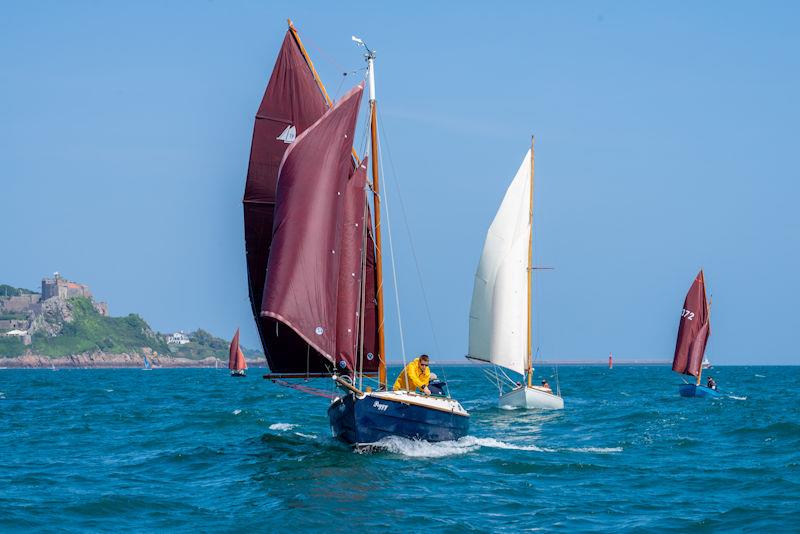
{"x":91,"y":331}
{"x":10,"y":291}
{"x":11,"y":346}
{"x":202,"y":345}
{"x":12,"y":316}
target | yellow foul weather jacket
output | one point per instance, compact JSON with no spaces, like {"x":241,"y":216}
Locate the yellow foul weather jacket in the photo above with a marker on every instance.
{"x":417,"y":376}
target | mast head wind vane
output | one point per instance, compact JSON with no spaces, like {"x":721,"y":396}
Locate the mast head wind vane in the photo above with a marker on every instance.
{"x":370,"y":57}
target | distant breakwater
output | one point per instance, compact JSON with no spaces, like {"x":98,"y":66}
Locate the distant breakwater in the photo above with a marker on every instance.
{"x":103,"y":360}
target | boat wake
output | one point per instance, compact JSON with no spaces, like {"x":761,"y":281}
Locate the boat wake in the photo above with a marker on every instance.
{"x":414,"y":448}
{"x":282,"y":426}
{"x":734,"y":397}
{"x":424,"y":449}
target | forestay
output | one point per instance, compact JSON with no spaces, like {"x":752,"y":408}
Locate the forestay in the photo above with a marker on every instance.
{"x":498,"y":315}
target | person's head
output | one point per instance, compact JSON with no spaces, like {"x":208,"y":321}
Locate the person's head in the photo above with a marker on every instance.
{"x":544,"y":381}
{"x":423,"y":360}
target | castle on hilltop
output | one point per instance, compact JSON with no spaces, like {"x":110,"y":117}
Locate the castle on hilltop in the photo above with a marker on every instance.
{"x":62,"y":288}
{"x":18,"y":311}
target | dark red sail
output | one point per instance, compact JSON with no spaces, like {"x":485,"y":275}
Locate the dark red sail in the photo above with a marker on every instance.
{"x":236,"y":361}
{"x":302,"y":288}
{"x":292,"y":102}
{"x":693,"y":330}
{"x":370,"y":305}
{"x":351,"y":249}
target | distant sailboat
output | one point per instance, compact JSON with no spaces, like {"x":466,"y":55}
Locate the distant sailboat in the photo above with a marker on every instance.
{"x":693,"y":332}
{"x":147,"y":366}
{"x":236,"y":362}
{"x":500,"y":314}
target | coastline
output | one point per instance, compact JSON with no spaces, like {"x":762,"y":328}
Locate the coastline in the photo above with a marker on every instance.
{"x":102,"y":360}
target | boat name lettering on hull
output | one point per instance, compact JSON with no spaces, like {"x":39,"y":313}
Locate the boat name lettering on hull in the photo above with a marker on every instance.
{"x":380,"y":407}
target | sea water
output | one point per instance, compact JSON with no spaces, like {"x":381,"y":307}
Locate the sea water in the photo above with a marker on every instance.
{"x":196,"y":451}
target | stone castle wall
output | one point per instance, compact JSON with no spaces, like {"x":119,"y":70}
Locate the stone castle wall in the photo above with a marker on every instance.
{"x":18,"y":304}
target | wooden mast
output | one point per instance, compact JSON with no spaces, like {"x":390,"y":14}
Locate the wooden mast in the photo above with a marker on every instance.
{"x":310,"y":63}
{"x":530,"y":275}
{"x":708,"y":318}
{"x":374,"y":150}
{"x":378,"y":253}
{"x":317,"y":79}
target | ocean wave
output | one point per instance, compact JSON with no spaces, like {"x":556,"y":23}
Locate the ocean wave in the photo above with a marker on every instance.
{"x":597,"y":450}
{"x":309,"y":436}
{"x":236,"y":412}
{"x":282,"y":426}
{"x":414,"y":448}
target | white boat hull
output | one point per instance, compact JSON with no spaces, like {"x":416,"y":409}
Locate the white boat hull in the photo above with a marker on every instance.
{"x":531,"y":399}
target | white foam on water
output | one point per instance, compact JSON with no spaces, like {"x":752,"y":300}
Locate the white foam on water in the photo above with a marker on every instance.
{"x":109,"y":390}
{"x":600,"y":450}
{"x":237,"y":412}
{"x":281,"y":426}
{"x":509,"y":408}
{"x":413,"y":448}
{"x":309,"y":436}
{"x":759,"y":376}
{"x":736,"y":398}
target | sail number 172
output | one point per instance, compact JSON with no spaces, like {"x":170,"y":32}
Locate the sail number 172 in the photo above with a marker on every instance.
{"x":686,"y":313}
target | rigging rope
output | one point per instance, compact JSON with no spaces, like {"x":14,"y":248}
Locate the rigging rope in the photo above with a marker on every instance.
{"x":411,"y":244}
{"x":391,"y":256}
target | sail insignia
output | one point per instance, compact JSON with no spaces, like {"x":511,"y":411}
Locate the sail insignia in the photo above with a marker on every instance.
{"x":288,"y":135}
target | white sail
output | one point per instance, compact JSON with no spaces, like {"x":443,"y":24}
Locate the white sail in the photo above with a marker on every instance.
{"x":498,"y":318}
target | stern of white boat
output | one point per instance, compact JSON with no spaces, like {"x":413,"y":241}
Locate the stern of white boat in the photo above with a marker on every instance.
{"x":531,"y":399}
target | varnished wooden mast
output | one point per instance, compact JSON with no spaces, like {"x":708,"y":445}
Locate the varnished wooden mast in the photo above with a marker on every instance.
{"x":378,"y":250}
{"x":317,"y":79}
{"x":708,"y":318}
{"x":530,"y":275}
{"x":310,"y":63}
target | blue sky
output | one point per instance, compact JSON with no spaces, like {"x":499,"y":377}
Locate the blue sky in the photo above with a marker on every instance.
{"x":666,"y":140}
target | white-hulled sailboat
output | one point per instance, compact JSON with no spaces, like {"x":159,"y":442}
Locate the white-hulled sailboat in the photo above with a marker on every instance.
{"x":500,"y":314}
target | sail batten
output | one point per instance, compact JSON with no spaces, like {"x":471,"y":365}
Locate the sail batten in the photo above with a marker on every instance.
{"x":498,"y":315}
{"x":693,"y":330}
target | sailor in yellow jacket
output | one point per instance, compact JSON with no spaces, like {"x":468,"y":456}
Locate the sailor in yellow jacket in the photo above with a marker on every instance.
{"x":415,"y":375}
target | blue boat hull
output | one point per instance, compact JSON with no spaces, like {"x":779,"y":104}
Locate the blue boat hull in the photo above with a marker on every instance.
{"x":367,"y":420}
{"x":690,"y":390}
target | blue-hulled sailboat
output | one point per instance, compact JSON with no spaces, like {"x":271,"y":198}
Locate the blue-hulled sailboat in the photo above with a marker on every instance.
{"x":693,"y":332}
{"x":314,"y":256}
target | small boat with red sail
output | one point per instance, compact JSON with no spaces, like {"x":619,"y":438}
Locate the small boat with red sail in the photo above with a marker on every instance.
{"x":236,"y":362}
{"x":694,"y":330}
{"x":314,"y":261}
